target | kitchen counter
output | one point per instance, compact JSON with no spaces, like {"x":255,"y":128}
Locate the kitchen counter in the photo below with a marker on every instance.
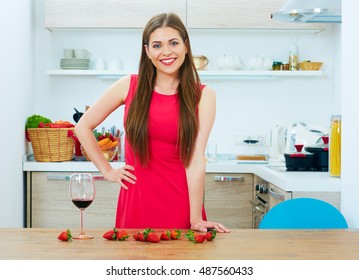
{"x":288,"y":181}
{"x":249,"y":244}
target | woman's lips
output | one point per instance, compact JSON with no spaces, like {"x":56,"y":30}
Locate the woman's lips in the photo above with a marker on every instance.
{"x":168,"y":61}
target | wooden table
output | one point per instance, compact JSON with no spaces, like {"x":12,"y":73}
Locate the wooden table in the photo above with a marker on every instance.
{"x":240,"y":244}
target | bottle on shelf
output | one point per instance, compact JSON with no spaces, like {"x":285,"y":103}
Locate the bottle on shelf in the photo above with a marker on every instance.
{"x":293,"y":57}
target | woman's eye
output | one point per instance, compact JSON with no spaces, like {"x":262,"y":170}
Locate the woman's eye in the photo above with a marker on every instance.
{"x":156,"y":46}
{"x":174,"y":44}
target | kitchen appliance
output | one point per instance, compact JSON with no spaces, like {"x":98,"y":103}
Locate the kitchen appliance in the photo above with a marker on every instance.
{"x":251,"y":147}
{"x":320,"y":151}
{"x":265,"y":197}
{"x":277,"y":142}
{"x":299,"y":161}
{"x":301,"y":133}
{"x":310,"y":11}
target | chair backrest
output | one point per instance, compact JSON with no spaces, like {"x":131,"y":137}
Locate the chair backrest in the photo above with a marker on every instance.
{"x":303,"y":213}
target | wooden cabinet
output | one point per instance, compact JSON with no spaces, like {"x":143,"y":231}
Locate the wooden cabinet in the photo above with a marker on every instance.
{"x":49,"y":204}
{"x":107,"y":13}
{"x":227,"y":199}
{"x":253,"y":14}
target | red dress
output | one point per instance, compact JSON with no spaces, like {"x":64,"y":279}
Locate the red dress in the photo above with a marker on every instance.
{"x":159,"y":198}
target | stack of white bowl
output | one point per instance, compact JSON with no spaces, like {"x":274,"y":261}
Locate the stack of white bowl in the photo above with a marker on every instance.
{"x":75,"y":59}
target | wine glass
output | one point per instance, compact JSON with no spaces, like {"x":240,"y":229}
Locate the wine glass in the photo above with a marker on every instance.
{"x":82,"y":193}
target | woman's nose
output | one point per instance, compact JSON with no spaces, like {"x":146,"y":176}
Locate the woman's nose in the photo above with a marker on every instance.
{"x":167,"y":50}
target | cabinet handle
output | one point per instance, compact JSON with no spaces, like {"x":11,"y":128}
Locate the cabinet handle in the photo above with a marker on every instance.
{"x":228,"y":178}
{"x":67,"y":177}
{"x":257,"y":208}
{"x":276,"y":195}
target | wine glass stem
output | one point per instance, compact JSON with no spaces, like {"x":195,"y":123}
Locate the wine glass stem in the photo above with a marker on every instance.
{"x":82,"y":222}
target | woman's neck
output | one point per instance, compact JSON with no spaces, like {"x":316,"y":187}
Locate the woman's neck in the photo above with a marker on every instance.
{"x":166,"y":84}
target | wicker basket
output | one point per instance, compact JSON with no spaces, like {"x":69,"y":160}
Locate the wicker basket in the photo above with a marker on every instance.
{"x":311,"y":66}
{"x":52,"y":144}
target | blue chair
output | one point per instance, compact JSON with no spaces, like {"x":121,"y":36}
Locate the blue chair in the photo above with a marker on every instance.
{"x":303,"y":213}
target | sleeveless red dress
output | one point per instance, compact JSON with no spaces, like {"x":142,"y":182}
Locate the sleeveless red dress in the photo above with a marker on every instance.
{"x":159,"y":198}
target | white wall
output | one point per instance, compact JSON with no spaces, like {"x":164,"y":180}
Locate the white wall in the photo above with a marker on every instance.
{"x":16,"y":89}
{"x":350,"y":105}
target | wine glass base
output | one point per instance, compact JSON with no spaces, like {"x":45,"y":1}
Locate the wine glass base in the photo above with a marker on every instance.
{"x":83,"y":237}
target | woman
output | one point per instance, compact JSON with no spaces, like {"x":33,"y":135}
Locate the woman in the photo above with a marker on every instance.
{"x":168,"y":118}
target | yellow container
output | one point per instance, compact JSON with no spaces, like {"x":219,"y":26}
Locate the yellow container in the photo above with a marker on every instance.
{"x":335,"y":146}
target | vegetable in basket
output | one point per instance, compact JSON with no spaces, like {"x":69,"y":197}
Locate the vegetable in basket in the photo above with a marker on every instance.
{"x":34,"y":121}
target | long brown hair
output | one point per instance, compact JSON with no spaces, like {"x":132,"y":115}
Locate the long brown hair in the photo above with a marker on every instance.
{"x":188,"y":91}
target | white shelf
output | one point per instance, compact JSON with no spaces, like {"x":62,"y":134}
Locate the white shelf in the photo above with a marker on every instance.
{"x":212,"y":75}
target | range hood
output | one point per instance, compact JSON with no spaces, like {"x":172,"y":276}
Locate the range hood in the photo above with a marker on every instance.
{"x":329,"y":11}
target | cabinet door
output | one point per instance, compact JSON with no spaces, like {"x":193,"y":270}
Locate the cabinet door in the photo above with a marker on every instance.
{"x":108,"y":13}
{"x":254,"y":14}
{"x":49,"y":203}
{"x":227,"y":199}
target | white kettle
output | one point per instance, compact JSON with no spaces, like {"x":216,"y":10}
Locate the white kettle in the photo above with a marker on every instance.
{"x":277,"y":142}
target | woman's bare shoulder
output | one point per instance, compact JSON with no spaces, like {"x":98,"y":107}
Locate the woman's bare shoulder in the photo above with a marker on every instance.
{"x":120,"y":87}
{"x":208,"y":93}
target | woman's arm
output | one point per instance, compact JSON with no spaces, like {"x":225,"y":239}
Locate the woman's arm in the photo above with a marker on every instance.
{"x":111,"y":99}
{"x":196,"y":170}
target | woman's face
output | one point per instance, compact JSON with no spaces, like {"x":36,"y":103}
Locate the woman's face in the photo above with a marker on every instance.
{"x":166,"y":49}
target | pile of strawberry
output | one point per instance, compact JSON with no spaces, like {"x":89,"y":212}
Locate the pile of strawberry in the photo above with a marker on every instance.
{"x":149,"y":235}
{"x":115,"y":234}
{"x":197,"y":237}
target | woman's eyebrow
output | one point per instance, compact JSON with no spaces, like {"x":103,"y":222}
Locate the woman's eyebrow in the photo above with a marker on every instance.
{"x":170,"y":40}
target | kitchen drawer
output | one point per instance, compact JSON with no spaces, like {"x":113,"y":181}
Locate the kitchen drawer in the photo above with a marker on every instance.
{"x":49,"y":203}
{"x":227,"y":199}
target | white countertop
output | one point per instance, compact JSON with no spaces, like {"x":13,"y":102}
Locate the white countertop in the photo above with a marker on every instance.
{"x":288,"y":181}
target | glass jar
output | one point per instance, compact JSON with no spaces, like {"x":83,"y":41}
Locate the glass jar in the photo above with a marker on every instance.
{"x":276,"y":65}
{"x":335,"y":145}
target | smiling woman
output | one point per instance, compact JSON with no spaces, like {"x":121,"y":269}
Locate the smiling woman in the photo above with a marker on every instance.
{"x":168,"y":118}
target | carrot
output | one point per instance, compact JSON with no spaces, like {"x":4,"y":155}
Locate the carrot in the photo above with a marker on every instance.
{"x":104,"y":142}
{"x":110,"y":145}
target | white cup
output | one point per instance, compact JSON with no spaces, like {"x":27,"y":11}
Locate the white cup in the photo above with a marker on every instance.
{"x":68,"y":53}
{"x":81,"y":53}
{"x":114,"y":65}
{"x":100,"y":64}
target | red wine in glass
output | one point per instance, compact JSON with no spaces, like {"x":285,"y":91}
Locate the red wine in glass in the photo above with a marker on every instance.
{"x":82,"y":193}
{"x":82,"y":204}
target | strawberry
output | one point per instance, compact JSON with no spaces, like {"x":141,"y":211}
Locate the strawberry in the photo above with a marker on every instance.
{"x":166,"y":235}
{"x":111,"y":234}
{"x":153,"y":237}
{"x":122,"y":235}
{"x":199,"y":238}
{"x":195,"y":236}
{"x":142,"y":235}
{"x":65,"y":236}
{"x":211,"y":234}
{"x":136,"y":236}
{"x":175,"y":234}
